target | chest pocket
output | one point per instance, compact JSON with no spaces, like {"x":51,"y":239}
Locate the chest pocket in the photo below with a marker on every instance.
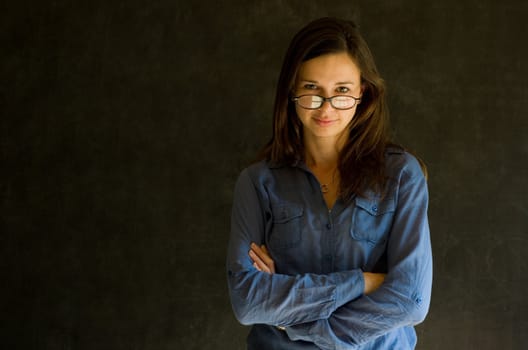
{"x":287,"y":224}
{"x":372,"y":219}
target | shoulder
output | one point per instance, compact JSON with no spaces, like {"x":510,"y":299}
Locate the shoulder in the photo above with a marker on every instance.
{"x":257,"y":170}
{"x":248,"y":185}
{"x":255,"y":174}
{"x":401,"y":163}
{"x":266,"y":169}
{"x":269,"y":178}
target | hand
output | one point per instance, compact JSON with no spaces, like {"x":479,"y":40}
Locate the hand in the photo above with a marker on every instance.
{"x":261,"y":258}
{"x":372,"y":281}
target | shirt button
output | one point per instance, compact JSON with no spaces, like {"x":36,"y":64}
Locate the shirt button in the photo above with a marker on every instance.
{"x":328,"y":226}
{"x":375,"y":208}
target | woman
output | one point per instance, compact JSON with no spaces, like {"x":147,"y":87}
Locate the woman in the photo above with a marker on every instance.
{"x":329,"y":245}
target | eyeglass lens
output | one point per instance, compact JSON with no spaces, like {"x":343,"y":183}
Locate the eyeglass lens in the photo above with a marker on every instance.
{"x":315,"y":101}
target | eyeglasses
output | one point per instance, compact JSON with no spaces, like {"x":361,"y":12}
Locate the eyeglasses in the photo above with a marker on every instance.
{"x":316,"y":101}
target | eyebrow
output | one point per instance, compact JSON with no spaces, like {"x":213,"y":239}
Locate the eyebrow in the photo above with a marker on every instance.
{"x":316,"y":82}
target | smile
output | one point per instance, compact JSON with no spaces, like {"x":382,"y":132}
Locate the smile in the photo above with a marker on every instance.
{"x":324,"y":122}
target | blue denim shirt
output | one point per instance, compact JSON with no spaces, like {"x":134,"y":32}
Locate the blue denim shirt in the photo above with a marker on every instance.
{"x":316,"y":293}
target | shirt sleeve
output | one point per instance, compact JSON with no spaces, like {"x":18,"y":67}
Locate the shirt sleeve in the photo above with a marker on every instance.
{"x":404,"y":297}
{"x":260,"y":298}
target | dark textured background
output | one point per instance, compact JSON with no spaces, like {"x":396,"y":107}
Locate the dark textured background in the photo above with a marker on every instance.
{"x":124,"y":126}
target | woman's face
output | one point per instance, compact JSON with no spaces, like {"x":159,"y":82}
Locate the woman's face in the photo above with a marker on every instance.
{"x":328,"y":75}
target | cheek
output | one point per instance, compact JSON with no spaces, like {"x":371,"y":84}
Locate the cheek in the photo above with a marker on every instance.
{"x":302,"y":113}
{"x":349,"y":115}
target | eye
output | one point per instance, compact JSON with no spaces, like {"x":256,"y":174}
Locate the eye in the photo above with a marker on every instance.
{"x":342,"y":90}
{"x":310,"y":86}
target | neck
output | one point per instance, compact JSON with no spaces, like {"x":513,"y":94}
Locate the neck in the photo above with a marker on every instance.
{"x":322,"y":153}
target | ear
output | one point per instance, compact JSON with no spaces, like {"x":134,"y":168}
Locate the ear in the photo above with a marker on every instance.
{"x":361,"y":90}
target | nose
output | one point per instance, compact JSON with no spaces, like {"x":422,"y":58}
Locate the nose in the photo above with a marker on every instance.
{"x":326,"y":108}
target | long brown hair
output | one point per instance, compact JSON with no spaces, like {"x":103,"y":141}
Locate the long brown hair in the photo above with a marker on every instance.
{"x":362,"y":159}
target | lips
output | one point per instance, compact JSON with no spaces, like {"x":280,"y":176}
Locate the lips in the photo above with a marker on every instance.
{"x":324,"y":122}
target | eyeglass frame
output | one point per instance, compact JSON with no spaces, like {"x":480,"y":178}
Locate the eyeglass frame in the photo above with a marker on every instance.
{"x":329,"y":99}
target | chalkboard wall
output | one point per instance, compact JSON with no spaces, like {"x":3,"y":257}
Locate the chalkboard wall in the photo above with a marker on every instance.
{"x":124,"y":125}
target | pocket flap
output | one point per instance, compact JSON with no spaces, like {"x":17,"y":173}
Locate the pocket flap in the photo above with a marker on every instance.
{"x":376,"y":206}
{"x":285,"y":212}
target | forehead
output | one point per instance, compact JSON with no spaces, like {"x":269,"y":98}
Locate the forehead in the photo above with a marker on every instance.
{"x":335,"y":67}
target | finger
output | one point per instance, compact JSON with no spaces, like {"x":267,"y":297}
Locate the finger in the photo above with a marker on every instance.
{"x":262,"y":253}
{"x":266,"y":257}
{"x":258,"y":263}
{"x":263,"y":267}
